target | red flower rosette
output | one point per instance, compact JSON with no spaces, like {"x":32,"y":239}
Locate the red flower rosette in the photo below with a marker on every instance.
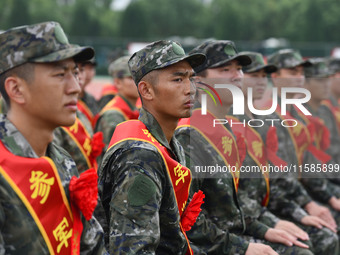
{"x":97,"y":145}
{"x":84,"y":192}
{"x":192,"y":211}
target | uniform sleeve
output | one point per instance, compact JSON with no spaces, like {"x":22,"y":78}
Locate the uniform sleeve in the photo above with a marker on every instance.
{"x":208,"y":237}
{"x":132,"y":202}
{"x":92,"y":239}
{"x":282,"y":202}
{"x":252,"y":211}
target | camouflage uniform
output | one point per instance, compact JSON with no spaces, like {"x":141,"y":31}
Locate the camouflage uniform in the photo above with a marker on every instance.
{"x":288,"y":196}
{"x":38,"y":43}
{"x":152,"y":227}
{"x":19,"y":232}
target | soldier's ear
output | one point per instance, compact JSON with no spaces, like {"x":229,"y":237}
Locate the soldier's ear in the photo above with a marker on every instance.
{"x":146,"y":91}
{"x":15,"y":88}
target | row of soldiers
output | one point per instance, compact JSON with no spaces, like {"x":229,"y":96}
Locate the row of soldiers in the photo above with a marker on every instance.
{"x":149,"y":143}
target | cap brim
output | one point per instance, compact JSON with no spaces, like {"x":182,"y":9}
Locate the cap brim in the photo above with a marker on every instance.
{"x":267,"y":68}
{"x":194,"y":60}
{"x":79,"y":54}
{"x":243,"y":60}
{"x":305,"y":63}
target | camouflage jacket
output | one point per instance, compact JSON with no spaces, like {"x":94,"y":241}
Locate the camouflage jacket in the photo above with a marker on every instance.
{"x":19,"y":232}
{"x":64,"y":140}
{"x":138,"y":197}
{"x":288,"y":196}
{"x":221,"y":222}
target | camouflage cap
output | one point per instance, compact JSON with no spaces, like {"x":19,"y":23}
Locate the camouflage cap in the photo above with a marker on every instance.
{"x":287,"y":58}
{"x":318,"y":69}
{"x":257,"y":63}
{"x":158,"y":55}
{"x":333,"y":65}
{"x":219,"y":53}
{"x":43,"y":42}
{"x":120,"y":68}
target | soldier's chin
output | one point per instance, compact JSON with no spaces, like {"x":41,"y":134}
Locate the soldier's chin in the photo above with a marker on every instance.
{"x":69,"y":121}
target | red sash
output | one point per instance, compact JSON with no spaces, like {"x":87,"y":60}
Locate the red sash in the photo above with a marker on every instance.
{"x":255,"y":149}
{"x":86,"y":110}
{"x":108,"y":89}
{"x":36,"y":182}
{"x":302,"y":138}
{"x":119,"y":104}
{"x":335,"y":110}
{"x":180,"y":175}
{"x":84,"y":142}
{"x":219,"y":137}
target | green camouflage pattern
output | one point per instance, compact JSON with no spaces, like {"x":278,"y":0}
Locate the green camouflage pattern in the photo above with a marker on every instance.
{"x":3,"y":106}
{"x":137,"y":226}
{"x":19,"y":232}
{"x":160,"y":54}
{"x":257,"y":63}
{"x":333,"y":64}
{"x":318,"y":69}
{"x":42,"y":42}
{"x":221,"y":227}
{"x":287,"y":58}
{"x":219,"y":53}
{"x":120,"y":68}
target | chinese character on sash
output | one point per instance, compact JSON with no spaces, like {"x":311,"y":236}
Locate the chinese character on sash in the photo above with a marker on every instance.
{"x":227,"y":145}
{"x":41,"y":185}
{"x":87,"y":146}
{"x":297,"y":129}
{"x":180,"y":173}
{"x":147,"y":133}
{"x":61,"y":235}
{"x":257,"y":147}
{"x":74,"y":127}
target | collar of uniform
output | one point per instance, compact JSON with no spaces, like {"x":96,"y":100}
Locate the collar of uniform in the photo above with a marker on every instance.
{"x":154,"y":128}
{"x":13,"y":140}
{"x":132,"y":107}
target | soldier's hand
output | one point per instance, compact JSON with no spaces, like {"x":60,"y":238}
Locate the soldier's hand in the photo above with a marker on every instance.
{"x":335,"y":203}
{"x":322,"y":212}
{"x":260,"y":249}
{"x":281,"y":236}
{"x":292,"y":229}
{"x":316,"y":222}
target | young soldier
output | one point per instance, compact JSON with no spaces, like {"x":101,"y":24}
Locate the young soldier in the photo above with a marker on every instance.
{"x":79,"y":139}
{"x":122,"y":106}
{"x":41,"y":194}
{"x":144,"y":184}
{"x":221,"y":228}
{"x":87,"y":104}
